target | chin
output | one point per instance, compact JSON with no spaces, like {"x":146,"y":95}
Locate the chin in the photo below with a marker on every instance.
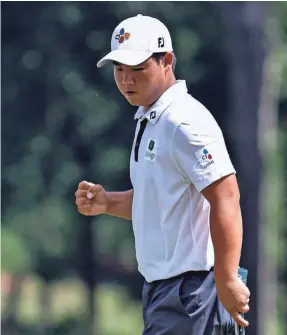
{"x":134,"y":101}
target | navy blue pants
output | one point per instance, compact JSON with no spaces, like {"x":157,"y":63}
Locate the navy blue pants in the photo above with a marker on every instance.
{"x":185,"y":305}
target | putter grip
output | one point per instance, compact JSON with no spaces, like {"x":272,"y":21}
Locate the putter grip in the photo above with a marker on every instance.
{"x":242,"y":274}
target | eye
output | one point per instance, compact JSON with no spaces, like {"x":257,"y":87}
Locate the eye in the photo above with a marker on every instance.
{"x":138,"y":69}
{"x":118,"y":69}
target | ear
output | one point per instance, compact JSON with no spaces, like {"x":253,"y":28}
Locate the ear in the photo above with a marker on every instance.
{"x":168,"y":60}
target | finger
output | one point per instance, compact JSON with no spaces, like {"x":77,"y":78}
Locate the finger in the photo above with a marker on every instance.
{"x":239,"y":319}
{"x":83,"y":201}
{"x":242,"y":303}
{"x":81,"y":193}
{"x":244,"y":309}
{"x":85,"y":209}
{"x":84,"y":185}
{"x":93,"y":190}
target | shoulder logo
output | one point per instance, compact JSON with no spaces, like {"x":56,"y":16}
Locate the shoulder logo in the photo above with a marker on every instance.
{"x":205,"y":158}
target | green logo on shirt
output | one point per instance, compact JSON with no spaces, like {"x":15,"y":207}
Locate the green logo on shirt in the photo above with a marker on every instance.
{"x":151,"y":145}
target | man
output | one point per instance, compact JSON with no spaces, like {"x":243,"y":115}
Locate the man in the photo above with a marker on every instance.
{"x":184,"y":204}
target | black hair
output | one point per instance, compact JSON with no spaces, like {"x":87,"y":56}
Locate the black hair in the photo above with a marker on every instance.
{"x":158,"y":56}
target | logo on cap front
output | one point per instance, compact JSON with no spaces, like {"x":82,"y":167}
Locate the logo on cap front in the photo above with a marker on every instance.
{"x":122,"y":36}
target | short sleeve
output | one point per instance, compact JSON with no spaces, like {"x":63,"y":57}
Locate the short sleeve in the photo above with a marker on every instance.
{"x":201,"y":154}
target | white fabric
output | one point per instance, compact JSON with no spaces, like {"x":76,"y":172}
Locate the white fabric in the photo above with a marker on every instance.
{"x":135,"y":39}
{"x":182,"y":151}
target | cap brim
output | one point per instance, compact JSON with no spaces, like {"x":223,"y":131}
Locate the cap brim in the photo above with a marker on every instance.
{"x":127,"y":57}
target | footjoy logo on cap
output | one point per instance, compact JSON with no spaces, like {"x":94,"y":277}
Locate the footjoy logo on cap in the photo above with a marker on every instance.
{"x":122,"y":36}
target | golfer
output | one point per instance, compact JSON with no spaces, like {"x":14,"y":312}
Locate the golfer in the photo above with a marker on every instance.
{"x":184,"y":204}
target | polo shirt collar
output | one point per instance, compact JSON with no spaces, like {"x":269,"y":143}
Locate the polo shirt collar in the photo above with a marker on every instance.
{"x":163,"y":102}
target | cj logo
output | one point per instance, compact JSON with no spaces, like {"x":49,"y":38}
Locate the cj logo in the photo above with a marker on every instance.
{"x":207,"y":158}
{"x":206,"y":155}
{"x":160,"y":42}
{"x":122,"y":36}
{"x":204,"y":159}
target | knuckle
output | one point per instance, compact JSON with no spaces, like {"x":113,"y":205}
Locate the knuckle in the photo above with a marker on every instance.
{"x":243,"y":302}
{"x":81,"y":211}
{"x":94,"y":188}
{"x":80,"y":202}
{"x":245,"y":309}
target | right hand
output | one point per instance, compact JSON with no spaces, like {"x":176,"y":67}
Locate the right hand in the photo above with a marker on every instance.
{"x":91,"y":199}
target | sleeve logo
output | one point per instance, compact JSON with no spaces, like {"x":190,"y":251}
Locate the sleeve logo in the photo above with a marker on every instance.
{"x":205,"y":158}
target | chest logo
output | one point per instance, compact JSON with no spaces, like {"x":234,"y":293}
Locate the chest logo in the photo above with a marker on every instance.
{"x":150,"y":153}
{"x":151,"y":145}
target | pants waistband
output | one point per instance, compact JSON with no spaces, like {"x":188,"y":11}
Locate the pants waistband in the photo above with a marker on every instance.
{"x":188,"y":273}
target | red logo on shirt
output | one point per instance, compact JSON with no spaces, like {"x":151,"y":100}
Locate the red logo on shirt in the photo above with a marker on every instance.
{"x":206,"y":155}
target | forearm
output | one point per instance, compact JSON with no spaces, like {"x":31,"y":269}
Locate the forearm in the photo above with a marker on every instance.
{"x":120,"y":204}
{"x":226,"y":233}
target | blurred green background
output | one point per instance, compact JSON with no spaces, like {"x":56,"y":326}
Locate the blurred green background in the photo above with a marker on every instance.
{"x":63,"y":121}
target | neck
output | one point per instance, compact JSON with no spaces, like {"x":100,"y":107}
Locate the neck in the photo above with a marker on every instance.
{"x":168,"y":84}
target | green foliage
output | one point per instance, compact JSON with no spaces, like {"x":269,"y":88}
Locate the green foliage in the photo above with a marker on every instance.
{"x":15,"y":256}
{"x":64,"y":121}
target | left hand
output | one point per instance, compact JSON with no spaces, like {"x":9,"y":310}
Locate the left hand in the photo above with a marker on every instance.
{"x":234,"y":296}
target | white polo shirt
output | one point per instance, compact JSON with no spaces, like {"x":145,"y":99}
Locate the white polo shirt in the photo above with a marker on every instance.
{"x":182,"y":151}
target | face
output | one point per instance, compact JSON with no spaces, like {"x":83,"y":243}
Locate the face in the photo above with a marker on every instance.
{"x":143,"y":84}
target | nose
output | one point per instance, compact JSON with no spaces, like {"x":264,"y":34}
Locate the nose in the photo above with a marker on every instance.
{"x":127,"y":78}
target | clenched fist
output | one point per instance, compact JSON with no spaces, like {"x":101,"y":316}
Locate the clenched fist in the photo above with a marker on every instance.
{"x":91,"y":199}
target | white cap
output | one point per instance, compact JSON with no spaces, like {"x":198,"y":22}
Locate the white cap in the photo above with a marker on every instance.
{"x":135,"y":39}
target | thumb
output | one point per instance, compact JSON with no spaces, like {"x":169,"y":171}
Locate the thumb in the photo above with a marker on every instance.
{"x":240,"y":319}
{"x":93,"y":190}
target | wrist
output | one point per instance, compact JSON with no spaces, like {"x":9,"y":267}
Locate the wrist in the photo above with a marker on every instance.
{"x":108,"y":202}
{"x":225,"y":275}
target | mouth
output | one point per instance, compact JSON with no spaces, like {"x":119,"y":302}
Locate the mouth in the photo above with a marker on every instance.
{"x":130,"y":93}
